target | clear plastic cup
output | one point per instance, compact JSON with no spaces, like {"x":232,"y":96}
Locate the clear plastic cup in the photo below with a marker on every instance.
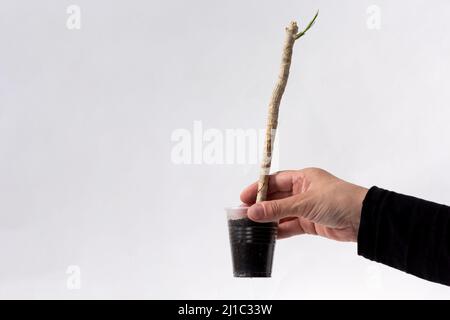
{"x":252,"y":244}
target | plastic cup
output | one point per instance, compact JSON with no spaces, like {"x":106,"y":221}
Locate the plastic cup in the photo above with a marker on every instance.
{"x":252,"y":244}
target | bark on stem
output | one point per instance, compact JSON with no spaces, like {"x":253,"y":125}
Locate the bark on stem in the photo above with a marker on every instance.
{"x":292,"y":34}
{"x":274,"y":105}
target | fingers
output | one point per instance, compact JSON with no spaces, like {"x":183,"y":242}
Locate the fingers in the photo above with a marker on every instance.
{"x":292,"y":227}
{"x":279,"y":195}
{"x":289,"y":228}
{"x":270,"y":196}
{"x":275,"y":210}
{"x":278,"y":182}
{"x":248,"y":195}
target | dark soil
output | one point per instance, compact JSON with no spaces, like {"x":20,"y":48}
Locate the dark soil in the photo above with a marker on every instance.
{"x":252,"y":247}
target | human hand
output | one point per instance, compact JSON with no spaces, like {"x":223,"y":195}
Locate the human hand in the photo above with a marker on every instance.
{"x":310,"y":201}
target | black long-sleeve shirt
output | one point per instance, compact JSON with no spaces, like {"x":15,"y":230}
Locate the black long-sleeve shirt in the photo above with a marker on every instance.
{"x":407,"y":233}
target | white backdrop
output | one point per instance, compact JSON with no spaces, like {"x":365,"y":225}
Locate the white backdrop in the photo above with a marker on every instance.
{"x":87,"y":115}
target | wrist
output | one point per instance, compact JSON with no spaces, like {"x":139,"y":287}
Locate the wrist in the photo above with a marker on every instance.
{"x":359,"y":196}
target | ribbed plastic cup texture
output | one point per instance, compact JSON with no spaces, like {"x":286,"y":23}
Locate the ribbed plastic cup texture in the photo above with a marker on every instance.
{"x":252,"y":244}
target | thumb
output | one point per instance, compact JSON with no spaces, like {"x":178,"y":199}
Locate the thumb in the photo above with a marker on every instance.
{"x":274,"y":210}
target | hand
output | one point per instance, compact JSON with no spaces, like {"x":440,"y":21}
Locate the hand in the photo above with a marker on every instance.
{"x":310,"y":201}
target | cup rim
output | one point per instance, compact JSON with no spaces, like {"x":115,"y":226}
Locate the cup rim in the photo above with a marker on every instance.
{"x":237,"y":207}
{"x":237,"y":212}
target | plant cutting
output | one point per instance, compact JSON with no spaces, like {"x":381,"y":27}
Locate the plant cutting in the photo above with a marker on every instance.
{"x":252,"y":243}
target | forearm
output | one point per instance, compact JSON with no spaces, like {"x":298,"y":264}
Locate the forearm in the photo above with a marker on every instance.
{"x":407,"y":233}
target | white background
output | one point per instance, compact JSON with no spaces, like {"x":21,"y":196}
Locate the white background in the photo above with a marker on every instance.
{"x":86,"y":118}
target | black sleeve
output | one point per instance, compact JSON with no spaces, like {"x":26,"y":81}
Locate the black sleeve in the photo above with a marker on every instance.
{"x":407,"y":233}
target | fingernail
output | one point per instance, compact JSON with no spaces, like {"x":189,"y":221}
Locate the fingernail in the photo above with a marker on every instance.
{"x":256,"y":211}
